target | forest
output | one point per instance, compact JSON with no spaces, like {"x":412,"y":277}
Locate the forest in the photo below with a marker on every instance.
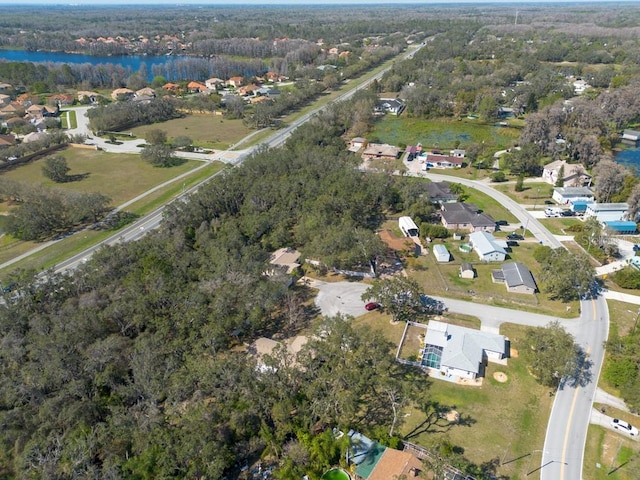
{"x":136,"y":366}
{"x":130,"y":368}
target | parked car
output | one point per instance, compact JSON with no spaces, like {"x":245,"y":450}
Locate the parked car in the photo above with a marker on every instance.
{"x":567,"y":213}
{"x":636,"y":248}
{"x":548,"y":202}
{"x":515,"y":236}
{"x":501,"y":223}
{"x":624,"y":426}
{"x":372,"y":306}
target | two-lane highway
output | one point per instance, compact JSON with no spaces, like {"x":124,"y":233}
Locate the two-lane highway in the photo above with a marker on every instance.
{"x":563,"y":454}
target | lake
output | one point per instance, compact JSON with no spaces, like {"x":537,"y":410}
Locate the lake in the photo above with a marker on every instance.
{"x":630,"y":157}
{"x":132,"y":62}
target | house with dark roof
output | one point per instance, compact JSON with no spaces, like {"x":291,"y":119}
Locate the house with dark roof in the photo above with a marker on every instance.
{"x":460,"y":353}
{"x":394,"y":106}
{"x":466,"y":217}
{"x":516,"y":277}
{"x":437,"y":160}
{"x":440,"y":192}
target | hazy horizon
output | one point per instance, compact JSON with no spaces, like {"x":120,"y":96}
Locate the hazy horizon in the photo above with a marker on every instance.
{"x":287,"y":2}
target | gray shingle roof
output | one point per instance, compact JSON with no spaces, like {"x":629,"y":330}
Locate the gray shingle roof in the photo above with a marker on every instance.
{"x":516,"y":274}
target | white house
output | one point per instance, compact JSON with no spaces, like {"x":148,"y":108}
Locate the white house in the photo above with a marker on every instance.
{"x":393,"y":106}
{"x":573,"y":174}
{"x":631,"y":137}
{"x":607,"y":212}
{"x":579,"y":86}
{"x":568,"y":195}
{"x":441,"y":253}
{"x":408,"y":227}
{"x":487,"y":247}
{"x":460,"y":352}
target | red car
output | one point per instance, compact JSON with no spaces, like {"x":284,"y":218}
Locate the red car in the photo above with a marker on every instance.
{"x":371,"y":306}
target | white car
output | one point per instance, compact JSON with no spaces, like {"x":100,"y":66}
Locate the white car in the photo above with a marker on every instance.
{"x":624,"y":426}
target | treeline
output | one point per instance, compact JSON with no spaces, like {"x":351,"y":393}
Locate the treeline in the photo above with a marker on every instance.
{"x":130,"y":366}
{"x":120,"y":115}
{"x":17,"y":153}
{"x":43,"y":213}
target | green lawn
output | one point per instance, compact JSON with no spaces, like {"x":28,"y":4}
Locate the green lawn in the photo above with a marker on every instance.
{"x":120,"y":177}
{"x":443,"y":279}
{"x":206,"y":130}
{"x":441,"y":133}
{"x":533,"y":193}
{"x":68,"y":119}
{"x":502,"y":420}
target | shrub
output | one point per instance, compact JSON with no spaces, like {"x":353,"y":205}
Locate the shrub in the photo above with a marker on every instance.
{"x":498,"y":177}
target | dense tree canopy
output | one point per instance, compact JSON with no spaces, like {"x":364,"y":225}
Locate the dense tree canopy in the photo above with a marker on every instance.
{"x":550,"y":354}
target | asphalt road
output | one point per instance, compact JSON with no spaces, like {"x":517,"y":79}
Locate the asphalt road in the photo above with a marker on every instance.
{"x":563,"y":452}
{"x":532,"y":224}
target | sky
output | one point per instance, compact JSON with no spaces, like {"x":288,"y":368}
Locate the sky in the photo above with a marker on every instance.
{"x":277,"y":2}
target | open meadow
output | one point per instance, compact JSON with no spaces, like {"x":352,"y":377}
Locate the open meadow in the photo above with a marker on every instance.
{"x":120,"y":177}
{"x":206,"y":130}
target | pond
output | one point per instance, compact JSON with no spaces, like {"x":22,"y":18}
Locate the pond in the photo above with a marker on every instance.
{"x":630,"y":157}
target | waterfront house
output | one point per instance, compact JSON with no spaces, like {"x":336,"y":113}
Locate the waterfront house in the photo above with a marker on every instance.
{"x":573,"y":174}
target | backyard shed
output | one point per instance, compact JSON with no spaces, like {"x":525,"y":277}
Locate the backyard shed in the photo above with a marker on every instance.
{"x":467,"y":271}
{"x":441,"y":253}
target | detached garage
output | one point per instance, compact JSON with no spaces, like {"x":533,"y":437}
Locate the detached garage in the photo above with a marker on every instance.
{"x":441,"y":253}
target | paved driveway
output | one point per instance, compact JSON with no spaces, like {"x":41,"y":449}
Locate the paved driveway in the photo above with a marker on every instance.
{"x":345,"y":298}
{"x":340,"y":297}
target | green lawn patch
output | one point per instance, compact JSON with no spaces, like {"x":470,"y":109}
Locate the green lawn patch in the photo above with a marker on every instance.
{"x":533,"y":193}
{"x":68,"y":119}
{"x":610,"y":456}
{"x":443,"y":279}
{"x":206,"y":130}
{"x":441,"y":133}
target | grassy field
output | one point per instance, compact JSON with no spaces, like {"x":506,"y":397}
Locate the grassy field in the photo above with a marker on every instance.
{"x":443,"y":279}
{"x":534,"y":193}
{"x":120,"y":177}
{"x":503,"y":420}
{"x":207,"y":131}
{"x":442,"y":133}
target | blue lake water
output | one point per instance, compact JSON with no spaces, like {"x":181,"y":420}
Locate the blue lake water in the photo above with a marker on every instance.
{"x":630,"y":158}
{"x":132,"y":62}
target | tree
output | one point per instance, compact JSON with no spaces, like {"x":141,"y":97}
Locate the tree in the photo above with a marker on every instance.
{"x":519,"y":187}
{"x":402,"y":298}
{"x":609,"y":179}
{"x":55,"y":168}
{"x":155,"y":136}
{"x":566,"y":276}
{"x":634,"y":203}
{"x":560,"y":180}
{"x":160,"y":156}
{"x":550,"y":353}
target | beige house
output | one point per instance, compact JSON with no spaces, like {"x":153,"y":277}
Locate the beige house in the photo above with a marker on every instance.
{"x":573,"y":174}
{"x":380,"y":151}
{"x":122,"y":94}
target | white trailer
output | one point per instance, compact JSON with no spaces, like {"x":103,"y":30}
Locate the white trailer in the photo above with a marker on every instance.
{"x":408,"y":227}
